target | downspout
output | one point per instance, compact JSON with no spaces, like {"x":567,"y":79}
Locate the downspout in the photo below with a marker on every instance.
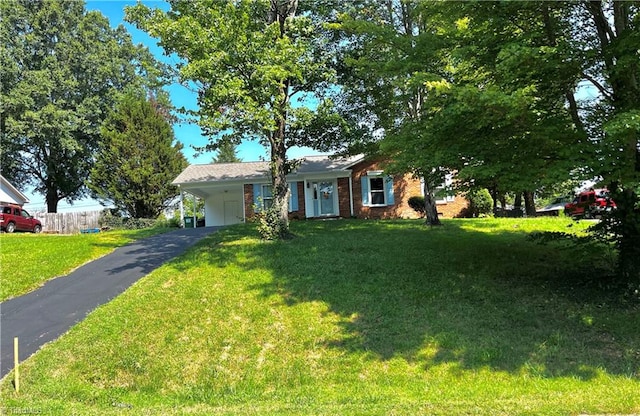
{"x":351,"y":195}
{"x":244,"y":203}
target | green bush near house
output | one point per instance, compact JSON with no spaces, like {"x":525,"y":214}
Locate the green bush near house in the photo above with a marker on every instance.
{"x":417,"y":204}
{"x":480,"y":203}
{"x":114,"y":221}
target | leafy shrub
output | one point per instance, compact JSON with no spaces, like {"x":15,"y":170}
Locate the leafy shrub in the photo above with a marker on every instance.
{"x":270,"y":225}
{"x":138,"y":223}
{"x":173,"y":222}
{"x":417,"y":204}
{"x":620,"y":229}
{"x":111,"y":219}
{"x":480,"y":202}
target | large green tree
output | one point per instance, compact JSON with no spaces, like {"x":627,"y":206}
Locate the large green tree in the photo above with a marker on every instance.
{"x":138,"y":157}
{"x":449,"y":94}
{"x":502,"y":95}
{"x":60,"y":66}
{"x":530,"y":64}
{"x":253,"y":61}
{"x":610,"y":40}
{"x":390,"y":53}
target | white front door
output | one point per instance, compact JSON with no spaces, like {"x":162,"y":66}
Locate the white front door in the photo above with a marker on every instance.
{"x":324,"y":198}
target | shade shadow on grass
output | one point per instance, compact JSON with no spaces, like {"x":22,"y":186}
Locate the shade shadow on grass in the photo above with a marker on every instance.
{"x":449,"y":295}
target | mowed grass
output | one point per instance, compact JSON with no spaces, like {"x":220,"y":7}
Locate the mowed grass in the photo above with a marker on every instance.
{"x":27,"y":261}
{"x":352,"y":318}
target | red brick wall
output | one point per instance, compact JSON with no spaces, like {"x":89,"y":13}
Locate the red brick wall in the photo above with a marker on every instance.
{"x":454,"y":208}
{"x":248,"y":202}
{"x":344,"y":202}
{"x":299,"y":214}
{"x":404,"y":187}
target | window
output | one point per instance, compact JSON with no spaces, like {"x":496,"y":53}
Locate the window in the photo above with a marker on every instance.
{"x":376,"y":190}
{"x":263,"y":196}
{"x":443,"y":192}
{"x":267,"y":197}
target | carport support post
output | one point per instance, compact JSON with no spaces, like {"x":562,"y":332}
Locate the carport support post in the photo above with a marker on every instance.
{"x":181,"y":207}
{"x":194,"y":211}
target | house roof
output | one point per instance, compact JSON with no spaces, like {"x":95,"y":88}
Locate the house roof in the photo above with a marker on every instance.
{"x":10,"y":194}
{"x":216,"y":172}
{"x":223,"y":172}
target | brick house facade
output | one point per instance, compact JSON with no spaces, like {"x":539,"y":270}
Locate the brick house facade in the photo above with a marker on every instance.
{"x":321,"y":187}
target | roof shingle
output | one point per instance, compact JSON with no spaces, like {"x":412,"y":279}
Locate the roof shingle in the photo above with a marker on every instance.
{"x":217,"y":172}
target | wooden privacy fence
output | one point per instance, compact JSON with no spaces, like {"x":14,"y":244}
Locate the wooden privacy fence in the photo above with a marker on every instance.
{"x":68,"y":222}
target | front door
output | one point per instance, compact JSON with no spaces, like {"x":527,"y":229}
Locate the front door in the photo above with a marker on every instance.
{"x":324,"y":196}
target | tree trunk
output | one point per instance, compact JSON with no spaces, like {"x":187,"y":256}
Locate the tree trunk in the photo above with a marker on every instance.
{"x":279,"y":11}
{"x":529,"y":204}
{"x":494,"y":196}
{"x":279,"y":181}
{"x":430,"y":208}
{"x":52,"y":199}
{"x":629,"y":231}
{"x":517,"y":203}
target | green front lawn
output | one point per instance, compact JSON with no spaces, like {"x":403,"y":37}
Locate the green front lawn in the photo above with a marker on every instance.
{"x":27,"y":261}
{"x":352,"y":318}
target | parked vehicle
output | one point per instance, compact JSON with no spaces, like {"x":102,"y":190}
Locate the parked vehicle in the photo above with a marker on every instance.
{"x":15,"y":218}
{"x":555,"y":206}
{"x":590,"y":204}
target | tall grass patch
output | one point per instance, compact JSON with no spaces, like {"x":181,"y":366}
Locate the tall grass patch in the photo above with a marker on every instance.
{"x":351,"y":317}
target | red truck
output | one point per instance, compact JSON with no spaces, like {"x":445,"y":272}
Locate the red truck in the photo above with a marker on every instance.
{"x":590,"y":204}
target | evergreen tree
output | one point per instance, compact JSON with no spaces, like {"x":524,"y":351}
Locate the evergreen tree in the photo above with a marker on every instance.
{"x":138,"y":157}
{"x":226,"y":153}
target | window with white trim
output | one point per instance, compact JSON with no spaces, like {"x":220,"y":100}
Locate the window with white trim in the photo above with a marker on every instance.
{"x":442,"y":192}
{"x":377,"y":190}
{"x":267,"y":197}
{"x":263,"y":199}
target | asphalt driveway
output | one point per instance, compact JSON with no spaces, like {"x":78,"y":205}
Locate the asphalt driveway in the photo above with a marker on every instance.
{"x":46,"y":313}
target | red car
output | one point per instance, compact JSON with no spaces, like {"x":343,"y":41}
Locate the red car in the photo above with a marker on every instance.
{"x":14,"y":218}
{"x":590,"y":204}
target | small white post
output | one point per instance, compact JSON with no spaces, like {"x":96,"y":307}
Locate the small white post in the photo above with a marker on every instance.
{"x":16,"y":365}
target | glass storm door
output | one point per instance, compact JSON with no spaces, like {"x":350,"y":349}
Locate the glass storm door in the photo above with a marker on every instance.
{"x":324,"y":198}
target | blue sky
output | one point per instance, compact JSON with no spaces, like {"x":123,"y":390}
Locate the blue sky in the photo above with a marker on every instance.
{"x":188,"y":134}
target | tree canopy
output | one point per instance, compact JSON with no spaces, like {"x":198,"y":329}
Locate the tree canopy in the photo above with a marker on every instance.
{"x":253,"y":62}
{"x":60,"y":69}
{"x":495,"y":92}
